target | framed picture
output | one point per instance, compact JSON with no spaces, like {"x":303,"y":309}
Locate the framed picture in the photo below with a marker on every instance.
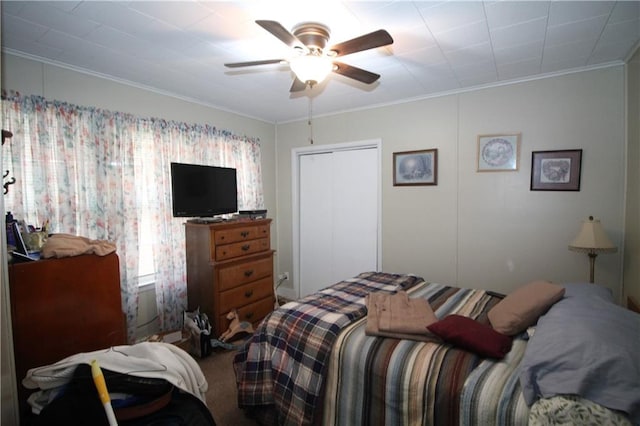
{"x":415,"y":168}
{"x":498,"y":153}
{"x":556,"y":170}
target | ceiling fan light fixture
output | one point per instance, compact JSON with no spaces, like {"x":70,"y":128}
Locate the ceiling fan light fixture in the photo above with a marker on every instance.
{"x":311,"y":62}
{"x":311,"y":69}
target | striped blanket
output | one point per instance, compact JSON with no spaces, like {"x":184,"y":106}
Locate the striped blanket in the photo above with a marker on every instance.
{"x":284,"y":364}
{"x":403,"y":382}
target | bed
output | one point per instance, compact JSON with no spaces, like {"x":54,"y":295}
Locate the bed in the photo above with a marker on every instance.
{"x":312,"y":362}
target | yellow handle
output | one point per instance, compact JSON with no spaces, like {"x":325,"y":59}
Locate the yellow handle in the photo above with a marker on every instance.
{"x":98,"y":379}
{"x":101,"y":386}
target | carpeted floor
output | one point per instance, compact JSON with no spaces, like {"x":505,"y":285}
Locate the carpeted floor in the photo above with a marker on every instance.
{"x":222,"y":395}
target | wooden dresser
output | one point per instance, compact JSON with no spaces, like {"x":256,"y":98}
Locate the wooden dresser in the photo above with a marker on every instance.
{"x":60,"y":307}
{"x":230,"y":266}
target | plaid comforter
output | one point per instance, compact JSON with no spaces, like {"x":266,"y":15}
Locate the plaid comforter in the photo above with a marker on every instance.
{"x":284,"y":364}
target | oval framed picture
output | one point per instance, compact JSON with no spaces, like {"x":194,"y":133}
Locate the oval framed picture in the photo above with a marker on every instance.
{"x":498,"y":153}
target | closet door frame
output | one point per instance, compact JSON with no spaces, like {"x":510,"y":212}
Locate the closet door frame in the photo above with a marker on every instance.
{"x":296,"y":153}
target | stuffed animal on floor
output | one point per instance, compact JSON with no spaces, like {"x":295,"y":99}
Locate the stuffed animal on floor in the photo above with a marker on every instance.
{"x":236,"y":326}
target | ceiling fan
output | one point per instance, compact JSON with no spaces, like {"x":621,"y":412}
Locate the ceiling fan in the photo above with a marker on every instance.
{"x":310,"y":61}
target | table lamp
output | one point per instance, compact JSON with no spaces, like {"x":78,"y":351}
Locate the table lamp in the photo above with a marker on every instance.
{"x":592,"y":240}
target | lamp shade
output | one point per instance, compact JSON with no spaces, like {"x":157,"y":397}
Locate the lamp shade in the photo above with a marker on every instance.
{"x":311,"y":68}
{"x":592,"y":238}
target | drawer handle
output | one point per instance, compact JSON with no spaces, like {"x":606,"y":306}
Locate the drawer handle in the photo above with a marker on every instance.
{"x":249,"y":315}
{"x":248,"y":273}
{"x":246,"y":247}
{"x":244,"y":234}
{"x":248,"y":293}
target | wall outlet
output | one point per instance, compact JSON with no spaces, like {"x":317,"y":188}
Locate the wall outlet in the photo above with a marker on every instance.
{"x":284,"y":276}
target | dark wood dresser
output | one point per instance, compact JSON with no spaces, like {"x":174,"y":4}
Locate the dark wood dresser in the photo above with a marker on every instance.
{"x":230,"y":266}
{"x":60,"y":307}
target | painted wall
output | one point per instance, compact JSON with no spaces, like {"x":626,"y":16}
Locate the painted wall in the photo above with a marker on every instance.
{"x":487,"y":230}
{"x":632,"y":225}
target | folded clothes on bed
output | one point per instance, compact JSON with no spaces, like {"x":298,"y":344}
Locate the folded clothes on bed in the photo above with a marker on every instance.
{"x":398,"y":315}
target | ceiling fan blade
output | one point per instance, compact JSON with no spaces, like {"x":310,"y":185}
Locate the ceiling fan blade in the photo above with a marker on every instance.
{"x":297,"y":86}
{"x":281,"y":33}
{"x":252,"y":63}
{"x":368,"y":41}
{"x":355,"y":72}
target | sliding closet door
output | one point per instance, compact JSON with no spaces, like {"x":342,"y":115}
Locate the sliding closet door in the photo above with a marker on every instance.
{"x":338,"y":195}
{"x":316,"y":220}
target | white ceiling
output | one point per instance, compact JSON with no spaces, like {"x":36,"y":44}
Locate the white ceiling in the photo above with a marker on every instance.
{"x":179,"y":47}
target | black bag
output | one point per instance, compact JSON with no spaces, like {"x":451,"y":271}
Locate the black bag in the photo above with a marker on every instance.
{"x":153,"y":402}
{"x":198,"y":327}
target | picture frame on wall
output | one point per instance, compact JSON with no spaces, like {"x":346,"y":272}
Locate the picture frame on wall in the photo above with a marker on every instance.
{"x":499,"y":152}
{"x":556,"y":170}
{"x":414,"y":168}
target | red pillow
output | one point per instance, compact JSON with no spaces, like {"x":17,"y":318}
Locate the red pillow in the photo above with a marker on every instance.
{"x":469,"y":334}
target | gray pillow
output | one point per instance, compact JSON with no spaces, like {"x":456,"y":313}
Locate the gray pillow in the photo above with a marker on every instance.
{"x":585,"y":346}
{"x":588,"y":290}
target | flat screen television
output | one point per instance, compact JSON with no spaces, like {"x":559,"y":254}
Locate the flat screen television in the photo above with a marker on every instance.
{"x":203,"y":191}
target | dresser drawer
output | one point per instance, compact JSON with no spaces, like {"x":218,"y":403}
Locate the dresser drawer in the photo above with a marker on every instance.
{"x":243,"y":248}
{"x":239,"y":274}
{"x":252,"y":313}
{"x":246,"y":294}
{"x":244,"y":233}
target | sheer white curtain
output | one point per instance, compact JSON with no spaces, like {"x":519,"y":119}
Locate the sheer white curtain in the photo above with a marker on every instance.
{"x":198,"y":145}
{"x":106,"y":175}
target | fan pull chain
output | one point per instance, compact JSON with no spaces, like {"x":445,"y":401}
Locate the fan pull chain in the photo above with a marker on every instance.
{"x":310,"y":122}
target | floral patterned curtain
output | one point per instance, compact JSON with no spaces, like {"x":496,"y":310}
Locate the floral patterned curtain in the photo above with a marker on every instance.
{"x":106,"y":175}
